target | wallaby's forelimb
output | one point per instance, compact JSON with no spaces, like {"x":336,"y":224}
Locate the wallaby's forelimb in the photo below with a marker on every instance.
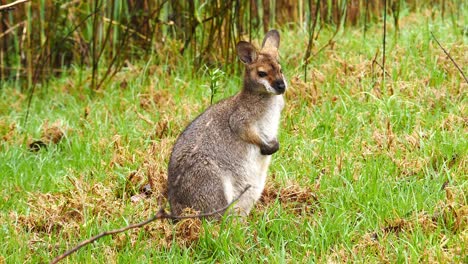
{"x":249,"y":134}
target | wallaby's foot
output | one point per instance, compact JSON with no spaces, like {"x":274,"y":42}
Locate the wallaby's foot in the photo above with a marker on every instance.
{"x":269,"y":148}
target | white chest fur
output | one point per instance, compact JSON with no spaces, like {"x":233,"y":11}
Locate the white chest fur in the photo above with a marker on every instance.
{"x":255,"y":169}
{"x":256,"y":165}
{"x":267,"y":126}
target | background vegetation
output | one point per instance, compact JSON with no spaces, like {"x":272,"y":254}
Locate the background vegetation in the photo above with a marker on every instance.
{"x":45,"y":37}
{"x":373,"y":162}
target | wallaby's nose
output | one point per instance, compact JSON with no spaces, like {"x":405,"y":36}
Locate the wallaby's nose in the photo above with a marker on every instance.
{"x":279,"y":86}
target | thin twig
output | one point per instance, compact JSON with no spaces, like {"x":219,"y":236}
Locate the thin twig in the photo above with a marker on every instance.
{"x":42,"y":62}
{"x":116,"y":23}
{"x":94,"y":58}
{"x":162,"y":214}
{"x":365,"y":18}
{"x":310,"y":44}
{"x":381,"y":67}
{"x":12,"y":28}
{"x":196,"y":23}
{"x":331,"y":41}
{"x":450,"y":57}
{"x":11,"y":6}
{"x":384,"y":37}
{"x":109,"y":73}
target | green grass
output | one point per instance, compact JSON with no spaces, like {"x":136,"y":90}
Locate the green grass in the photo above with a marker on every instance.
{"x":373,"y":159}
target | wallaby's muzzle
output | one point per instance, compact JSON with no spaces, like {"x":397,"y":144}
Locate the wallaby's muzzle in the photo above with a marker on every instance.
{"x":279,"y":86}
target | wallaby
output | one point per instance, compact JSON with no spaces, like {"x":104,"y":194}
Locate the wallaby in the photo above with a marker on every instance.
{"x":228,"y":147}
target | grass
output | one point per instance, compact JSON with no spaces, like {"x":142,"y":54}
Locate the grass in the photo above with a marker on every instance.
{"x":367,"y":172}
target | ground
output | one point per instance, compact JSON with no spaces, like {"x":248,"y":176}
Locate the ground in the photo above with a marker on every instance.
{"x":370,"y":169}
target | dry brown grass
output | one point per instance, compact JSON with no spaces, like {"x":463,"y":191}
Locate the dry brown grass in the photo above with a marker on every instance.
{"x":299,"y":91}
{"x":7,"y":131}
{"x":160,"y":99}
{"x":292,"y":197}
{"x":64,"y":213}
{"x":374,"y":247}
{"x":53,"y":133}
{"x":452,"y":212}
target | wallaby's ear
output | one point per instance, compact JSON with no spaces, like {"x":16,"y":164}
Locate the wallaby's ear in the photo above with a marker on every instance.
{"x":246,"y":52}
{"x":271,"y":41}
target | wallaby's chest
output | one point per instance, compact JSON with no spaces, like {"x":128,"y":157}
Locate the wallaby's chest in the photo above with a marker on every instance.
{"x":256,"y":164}
{"x":268,"y":123}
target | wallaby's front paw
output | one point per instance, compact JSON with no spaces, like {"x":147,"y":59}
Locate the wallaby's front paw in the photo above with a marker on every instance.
{"x":270,"y":148}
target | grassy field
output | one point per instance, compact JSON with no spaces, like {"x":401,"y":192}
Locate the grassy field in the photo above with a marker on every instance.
{"x":368,"y":170}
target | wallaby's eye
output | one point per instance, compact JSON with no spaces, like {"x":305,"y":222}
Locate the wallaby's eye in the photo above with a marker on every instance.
{"x":262,"y":74}
{"x":281,"y":71}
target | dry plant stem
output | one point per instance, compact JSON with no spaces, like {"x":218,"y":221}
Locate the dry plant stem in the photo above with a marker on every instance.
{"x":450,"y":57}
{"x":381,"y":67}
{"x":365,"y":18}
{"x":116,"y":23}
{"x":94,"y":57}
{"x":12,"y":28}
{"x":12,"y":5}
{"x":42,"y":62}
{"x":384,"y":37}
{"x":111,"y":69}
{"x":331,"y":40}
{"x":162,"y":214}
{"x":311,"y":37}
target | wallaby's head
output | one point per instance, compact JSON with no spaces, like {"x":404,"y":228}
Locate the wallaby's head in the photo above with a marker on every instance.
{"x":263,"y":71}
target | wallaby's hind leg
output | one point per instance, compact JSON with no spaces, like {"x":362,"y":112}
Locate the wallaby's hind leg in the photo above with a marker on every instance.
{"x":200,"y":193}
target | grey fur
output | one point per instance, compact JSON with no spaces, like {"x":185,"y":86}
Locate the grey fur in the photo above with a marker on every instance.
{"x":227,"y":147}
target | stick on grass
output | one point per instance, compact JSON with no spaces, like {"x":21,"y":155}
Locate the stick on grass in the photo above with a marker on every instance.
{"x":450,"y":57}
{"x":161,"y":214}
